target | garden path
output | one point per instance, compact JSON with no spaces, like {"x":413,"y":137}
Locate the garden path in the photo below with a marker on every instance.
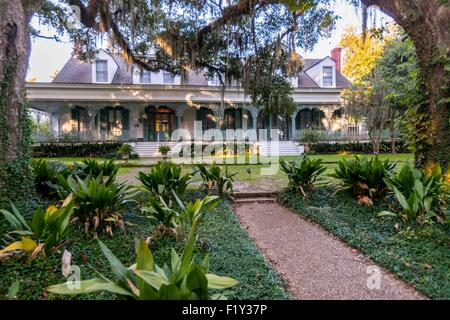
{"x":314,"y":263}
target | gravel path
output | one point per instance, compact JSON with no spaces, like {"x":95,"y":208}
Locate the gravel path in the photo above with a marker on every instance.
{"x":315,"y":264}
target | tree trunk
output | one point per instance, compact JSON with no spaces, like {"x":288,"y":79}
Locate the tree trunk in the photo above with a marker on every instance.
{"x":375,"y":139}
{"x":15,"y":47}
{"x":428,"y":25}
{"x":392,"y":129}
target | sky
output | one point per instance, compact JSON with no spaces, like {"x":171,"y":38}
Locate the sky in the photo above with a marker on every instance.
{"x":49,"y":56}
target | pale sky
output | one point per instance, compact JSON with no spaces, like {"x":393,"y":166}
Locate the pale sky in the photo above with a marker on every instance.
{"x":47,"y":56}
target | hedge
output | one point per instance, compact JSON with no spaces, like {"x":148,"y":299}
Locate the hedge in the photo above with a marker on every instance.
{"x":359,"y":147}
{"x":89,"y":149}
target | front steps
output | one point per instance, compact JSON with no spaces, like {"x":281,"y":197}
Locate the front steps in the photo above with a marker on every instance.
{"x":250,"y":197}
{"x":280,"y":148}
{"x":266,"y":148}
{"x":150,"y":149}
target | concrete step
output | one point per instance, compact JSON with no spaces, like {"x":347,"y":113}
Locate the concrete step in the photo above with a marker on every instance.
{"x":252,"y":200}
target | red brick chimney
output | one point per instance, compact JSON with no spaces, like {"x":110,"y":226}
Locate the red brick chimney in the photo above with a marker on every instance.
{"x":336,"y":55}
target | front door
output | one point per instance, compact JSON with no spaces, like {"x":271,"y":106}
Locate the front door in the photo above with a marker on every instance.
{"x":161,"y":123}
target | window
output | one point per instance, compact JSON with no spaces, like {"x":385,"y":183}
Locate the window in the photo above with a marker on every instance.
{"x":145,"y":76}
{"x":327,"y":76}
{"x":168,"y":77}
{"x":101,"y":71}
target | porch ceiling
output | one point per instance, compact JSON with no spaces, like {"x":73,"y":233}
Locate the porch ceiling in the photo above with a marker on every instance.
{"x":190,"y":95}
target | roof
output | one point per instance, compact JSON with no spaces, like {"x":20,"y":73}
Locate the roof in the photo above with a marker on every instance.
{"x":77,"y":71}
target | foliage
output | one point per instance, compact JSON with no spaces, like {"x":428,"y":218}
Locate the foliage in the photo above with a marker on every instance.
{"x":311,"y":136}
{"x":46,"y":175}
{"x":221,"y":235}
{"x":217,"y":149}
{"x":362,"y":54}
{"x":125,"y":150}
{"x":42,"y":233}
{"x":88,"y":149}
{"x":419,"y":257}
{"x":168,"y":217}
{"x":303,"y":173}
{"x":164,"y":149}
{"x":213,"y":178}
{"x":164,"y":179}
{"x":418,"y":194}
{"x":359,"y":147}
{"x":183,"y":279}
{"x":91,"y":167}
{"x":364,"y":176}
{"x":15,"y":176}
{"x":99,"y":205}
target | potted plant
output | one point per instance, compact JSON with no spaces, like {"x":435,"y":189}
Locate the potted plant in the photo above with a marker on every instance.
{"x":125,"y":151}
{"x":164,"y":150}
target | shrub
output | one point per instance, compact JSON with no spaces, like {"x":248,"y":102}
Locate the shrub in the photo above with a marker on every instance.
{"x":164,"y":149}
{"x":213,"y":178}
{"x":40,"y":235}
{"x":91,"y":167}
{"x":358,"y":147}
{"x":220,"y":149}
{"x":304,"y":173}
{"x":183,"y":278}
{"x":419,"y":195}
{"x":45,"y":175}
{"x":99,"y":205}
{"x":364,"y":176}
{"x":311,"y":136}
{"x":164,"y":179}
{"x":90,"y":149}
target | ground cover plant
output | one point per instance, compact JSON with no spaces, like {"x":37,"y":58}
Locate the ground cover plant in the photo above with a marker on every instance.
{"x":231,"y":251}
{"x":418,"y":256}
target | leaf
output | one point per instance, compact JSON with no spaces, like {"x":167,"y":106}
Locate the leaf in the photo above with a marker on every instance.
{"x":387,"y":214}
{"x":197,"y":281}
{"x":401,"y":198}
{"x":88,"y":286}
{"x":154,"y":279}
{"x":169,"y":292}
{"x":219,"y":282}
{"x":26,"y":244}
{"x":118,"y":268}
{"x":144,"y":257}
{"x":38,"y":222}
{"x":13,"y":290}
{"x":13,"y":221}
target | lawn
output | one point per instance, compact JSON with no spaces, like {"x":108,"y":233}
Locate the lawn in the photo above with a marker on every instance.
{"x":221,"y":235}
{"x":420,"y":258}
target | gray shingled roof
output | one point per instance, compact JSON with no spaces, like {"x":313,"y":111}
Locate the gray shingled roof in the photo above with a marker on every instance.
{"x":77,"y":71}
{"x":74,"y":71}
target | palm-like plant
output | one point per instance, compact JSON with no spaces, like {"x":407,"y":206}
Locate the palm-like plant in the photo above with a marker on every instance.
{"x":212,"y":177}
{"x":164,"y":179}
{"x":45,"y":175}
{"x":91,"y":167}
{"x":364,"y":176}
{"x":182,"y":279}
{"x":303,"y":173}
{"x":99,"y":205}
{"x":45,"y":230}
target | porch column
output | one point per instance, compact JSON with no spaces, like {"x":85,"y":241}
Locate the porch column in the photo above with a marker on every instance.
{"x":93,"y":111}
{"x":179,"y":111}
{"x":294,"y":129}
{"x":254,"y":111}
{"x":218,"y":114}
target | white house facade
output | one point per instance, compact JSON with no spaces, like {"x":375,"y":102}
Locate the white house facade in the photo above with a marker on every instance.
{"x":108,"y":100}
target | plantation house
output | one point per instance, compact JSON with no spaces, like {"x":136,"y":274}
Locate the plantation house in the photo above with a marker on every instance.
{"x":108,"y":100}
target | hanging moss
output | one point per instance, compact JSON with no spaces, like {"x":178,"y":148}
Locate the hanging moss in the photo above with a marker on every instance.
{"x":15,"y":176}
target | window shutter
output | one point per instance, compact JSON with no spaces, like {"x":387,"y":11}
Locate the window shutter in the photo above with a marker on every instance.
{"x":126,"y":119}
{"x":74,"y":118}
{"x":103,"y":119}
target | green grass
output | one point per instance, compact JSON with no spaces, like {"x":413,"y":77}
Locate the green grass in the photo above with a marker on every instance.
{"x":232,"y":254}
{"x":421,"y":258}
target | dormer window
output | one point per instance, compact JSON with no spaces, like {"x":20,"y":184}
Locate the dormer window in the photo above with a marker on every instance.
{"x":327,"y":76}
{"x":101,"y":71}
{"x":168,"y":77}
{"x":145,"y":76}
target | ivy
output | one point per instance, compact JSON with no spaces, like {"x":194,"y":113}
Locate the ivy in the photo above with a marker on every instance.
{"x":15,"y":176}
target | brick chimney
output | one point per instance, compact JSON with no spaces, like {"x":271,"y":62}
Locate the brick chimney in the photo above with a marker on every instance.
{"x":336,"y":55}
